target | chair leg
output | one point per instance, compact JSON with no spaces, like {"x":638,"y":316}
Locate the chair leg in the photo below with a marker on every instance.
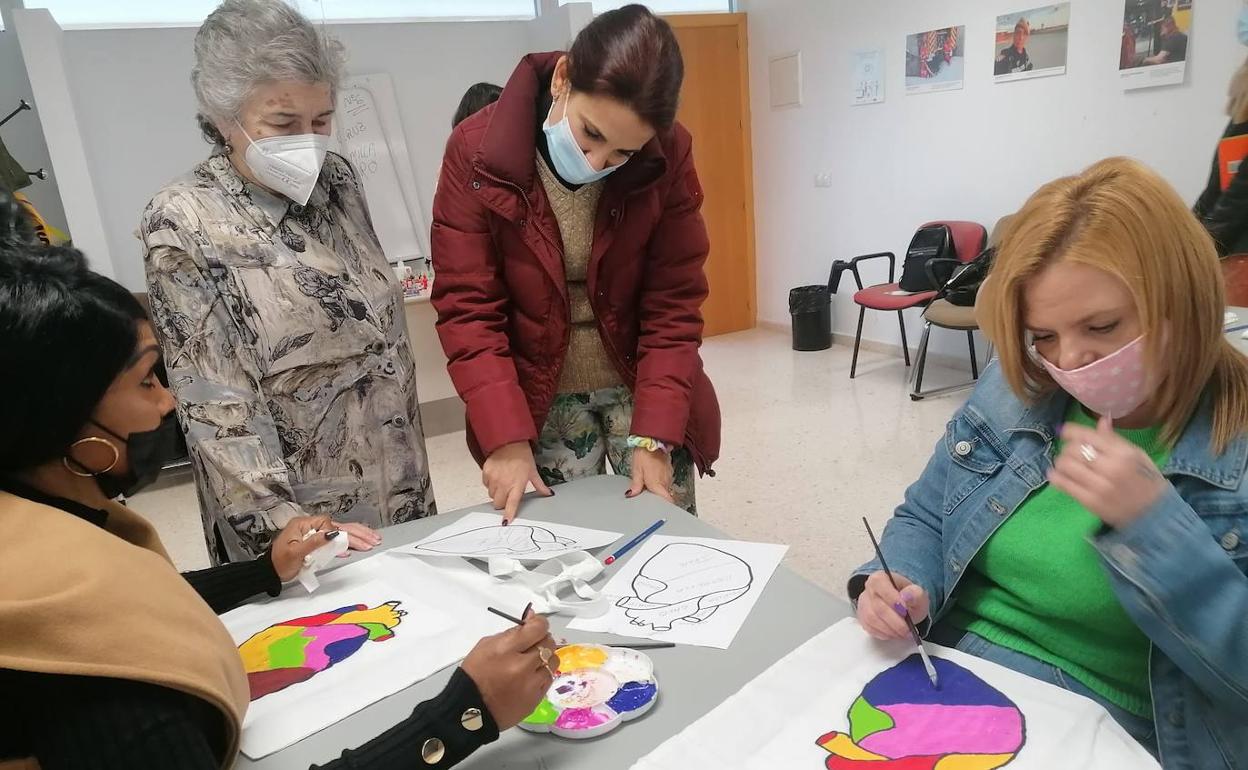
{"x":853,"y":367}
{"x":920,"y":363}
{"x":970,"y":340}
{"x":905,"y":347}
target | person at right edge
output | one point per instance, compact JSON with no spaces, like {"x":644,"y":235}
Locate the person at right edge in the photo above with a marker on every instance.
{"x":569,"y":248}
{"x":1084,"y":518}
{"x":1224,"y":213}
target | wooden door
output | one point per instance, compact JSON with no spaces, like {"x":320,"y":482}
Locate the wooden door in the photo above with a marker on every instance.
{"x":715,"y":107}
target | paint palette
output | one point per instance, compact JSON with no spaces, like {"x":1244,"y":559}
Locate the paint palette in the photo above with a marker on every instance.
{"x":596,"y":690}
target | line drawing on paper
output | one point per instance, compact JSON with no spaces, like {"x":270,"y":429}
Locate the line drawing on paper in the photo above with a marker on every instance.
{"x":513,"y":540}
{"x":685,"y":581}
{"x":296,"y":650}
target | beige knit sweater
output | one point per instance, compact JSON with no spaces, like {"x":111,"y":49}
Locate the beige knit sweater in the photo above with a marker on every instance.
{"x":587,"y":367}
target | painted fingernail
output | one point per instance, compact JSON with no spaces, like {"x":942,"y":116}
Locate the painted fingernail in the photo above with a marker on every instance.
{"x":506,"y":522}
{"x":901,"y":610}
{"x":527,"y":609}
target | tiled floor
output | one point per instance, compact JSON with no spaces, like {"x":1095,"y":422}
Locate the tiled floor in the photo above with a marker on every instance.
{"x":806,"y":453}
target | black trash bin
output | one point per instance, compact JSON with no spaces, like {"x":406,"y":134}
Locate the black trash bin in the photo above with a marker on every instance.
{"x":811,"y":309}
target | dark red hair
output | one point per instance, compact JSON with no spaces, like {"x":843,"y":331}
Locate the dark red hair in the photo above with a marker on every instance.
{"x":630,"y":55}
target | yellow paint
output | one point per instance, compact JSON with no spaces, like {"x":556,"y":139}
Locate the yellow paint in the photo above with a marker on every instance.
{"x":973,"y":761}
{"x":255,"y":651}
{"x":577,"y":656}
{"x":842,"y":746}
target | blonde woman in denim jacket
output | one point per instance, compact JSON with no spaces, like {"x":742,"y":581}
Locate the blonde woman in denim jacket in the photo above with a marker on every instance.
{"x":1084,"y":520}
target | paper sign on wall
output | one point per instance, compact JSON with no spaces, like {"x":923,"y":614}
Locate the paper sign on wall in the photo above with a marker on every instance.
{"x":868,"y":76}
{"x":368,"y":132}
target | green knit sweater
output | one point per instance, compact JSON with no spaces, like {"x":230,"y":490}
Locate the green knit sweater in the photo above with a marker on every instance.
{"x":1038,"y":587}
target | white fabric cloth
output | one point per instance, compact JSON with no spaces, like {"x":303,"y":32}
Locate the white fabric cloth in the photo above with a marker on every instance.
{"x":547,"y":580}
{"x":320,"y":559}
{"x":781,"y":718}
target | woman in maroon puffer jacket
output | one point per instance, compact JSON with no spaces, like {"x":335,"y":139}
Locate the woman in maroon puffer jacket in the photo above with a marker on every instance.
{"x":569,"y":251}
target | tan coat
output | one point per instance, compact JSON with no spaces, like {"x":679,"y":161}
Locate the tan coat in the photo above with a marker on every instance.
{"x":110,"y":604}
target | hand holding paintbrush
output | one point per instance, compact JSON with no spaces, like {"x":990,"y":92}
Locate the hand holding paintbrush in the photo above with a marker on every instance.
{"x":874,"y":612}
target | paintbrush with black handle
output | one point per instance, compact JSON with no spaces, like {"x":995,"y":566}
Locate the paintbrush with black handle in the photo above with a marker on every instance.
{"x":914,"y":631}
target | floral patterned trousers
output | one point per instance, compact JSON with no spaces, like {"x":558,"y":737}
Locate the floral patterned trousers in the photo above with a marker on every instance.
{"x":585,"y":430}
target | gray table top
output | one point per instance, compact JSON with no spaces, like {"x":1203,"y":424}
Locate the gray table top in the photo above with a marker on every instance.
{"x":693,"y":680}
{"x":1237,"y":338}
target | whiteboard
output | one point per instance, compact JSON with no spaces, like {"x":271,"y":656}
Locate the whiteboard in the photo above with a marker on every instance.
{"x":368,"y":132}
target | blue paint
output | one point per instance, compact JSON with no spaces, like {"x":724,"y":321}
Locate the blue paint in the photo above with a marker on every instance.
{"x":632,"y":696}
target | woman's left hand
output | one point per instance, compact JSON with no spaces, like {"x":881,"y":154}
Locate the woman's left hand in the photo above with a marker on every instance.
{"x":652,"y":471}
{"x":1111,"y":477}
{"x":292,"y":544}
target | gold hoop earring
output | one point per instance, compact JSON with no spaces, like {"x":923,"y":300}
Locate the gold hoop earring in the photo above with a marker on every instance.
{"x":91,"y":440}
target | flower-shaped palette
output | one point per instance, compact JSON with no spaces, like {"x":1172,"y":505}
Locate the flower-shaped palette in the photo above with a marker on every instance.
{"x":595,"y":691}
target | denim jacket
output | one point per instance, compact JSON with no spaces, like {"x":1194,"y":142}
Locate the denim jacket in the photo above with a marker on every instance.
{"x":1179,"y":570}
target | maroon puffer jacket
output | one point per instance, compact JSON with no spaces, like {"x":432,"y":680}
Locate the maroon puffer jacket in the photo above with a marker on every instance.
{"x":501,"y":295}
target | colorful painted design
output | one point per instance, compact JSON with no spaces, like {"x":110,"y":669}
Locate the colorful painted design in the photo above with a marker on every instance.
{"x":900,"y":722}
{"x":296,"y":650}
{"x":595,"y":690}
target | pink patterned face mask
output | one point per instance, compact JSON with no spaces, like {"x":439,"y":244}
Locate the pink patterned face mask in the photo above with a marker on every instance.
{"x":1115,"y":385}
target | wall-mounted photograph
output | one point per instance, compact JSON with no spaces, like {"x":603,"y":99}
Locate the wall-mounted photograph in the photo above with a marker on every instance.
{"x":935,"y":60}
{"x":1154,"y":42}
{"x":1032,"y":43}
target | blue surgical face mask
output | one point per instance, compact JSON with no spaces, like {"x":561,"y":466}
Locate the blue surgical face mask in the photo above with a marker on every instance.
{"x":570,"y":161}
{"x":1243,"y":26}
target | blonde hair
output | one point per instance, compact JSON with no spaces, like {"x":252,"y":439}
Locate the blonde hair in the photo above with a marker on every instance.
{"x":1023,"y":25}
{"x":1121,"y":217}
{"x":1237,"y":101}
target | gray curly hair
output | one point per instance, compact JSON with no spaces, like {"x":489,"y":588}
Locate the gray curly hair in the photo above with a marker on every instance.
{"x":246,"y":42}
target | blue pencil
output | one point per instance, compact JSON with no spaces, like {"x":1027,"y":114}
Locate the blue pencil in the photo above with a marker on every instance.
{"x":631,"y":544}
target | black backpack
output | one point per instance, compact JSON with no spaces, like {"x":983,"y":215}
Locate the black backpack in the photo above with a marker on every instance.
{"x":963,"y":287}
{"x":931,"y":242}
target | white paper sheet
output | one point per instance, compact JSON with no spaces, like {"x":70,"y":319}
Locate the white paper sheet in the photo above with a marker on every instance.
{"x":436,"y":631}
{"x":688,"y":590}
{"x":481,"y":535}
{"x":784,"y":717}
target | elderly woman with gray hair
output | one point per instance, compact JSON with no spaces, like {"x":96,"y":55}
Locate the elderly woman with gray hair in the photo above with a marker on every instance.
{"x":284,"y":334}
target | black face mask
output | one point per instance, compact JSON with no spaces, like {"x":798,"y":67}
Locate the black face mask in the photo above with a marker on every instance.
{"x":146,"y":453}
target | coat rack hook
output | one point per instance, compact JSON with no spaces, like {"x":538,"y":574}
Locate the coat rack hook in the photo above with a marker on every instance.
{"x":22,"y":106}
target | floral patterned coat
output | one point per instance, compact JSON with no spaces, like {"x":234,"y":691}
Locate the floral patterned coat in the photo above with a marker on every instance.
{"x":286,"y":345}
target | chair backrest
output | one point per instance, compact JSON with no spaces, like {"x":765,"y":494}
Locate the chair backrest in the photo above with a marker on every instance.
{"x":969,"y":238}
{"x":998,"y":230}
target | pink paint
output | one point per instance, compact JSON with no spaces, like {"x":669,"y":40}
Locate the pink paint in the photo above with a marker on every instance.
{"x":322,"y":636}
{"x":921,"y":730}
{"x":583,"y":719}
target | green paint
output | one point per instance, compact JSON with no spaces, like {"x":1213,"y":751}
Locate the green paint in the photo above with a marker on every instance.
{"x":544,"y":714}
{"x":865,"y":719}
{"x":288,"y":652}
{"x":377,"y":631}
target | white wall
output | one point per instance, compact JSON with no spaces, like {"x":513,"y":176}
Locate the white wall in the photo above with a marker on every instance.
{"x":971,"y":154}
{"x":42,"y":46}
{"x":23,"y":135}
{"x":137,"y":111}
{"x":136,"y":118}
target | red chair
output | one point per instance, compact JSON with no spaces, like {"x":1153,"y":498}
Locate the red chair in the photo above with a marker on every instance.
{"x":968,"y":239}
